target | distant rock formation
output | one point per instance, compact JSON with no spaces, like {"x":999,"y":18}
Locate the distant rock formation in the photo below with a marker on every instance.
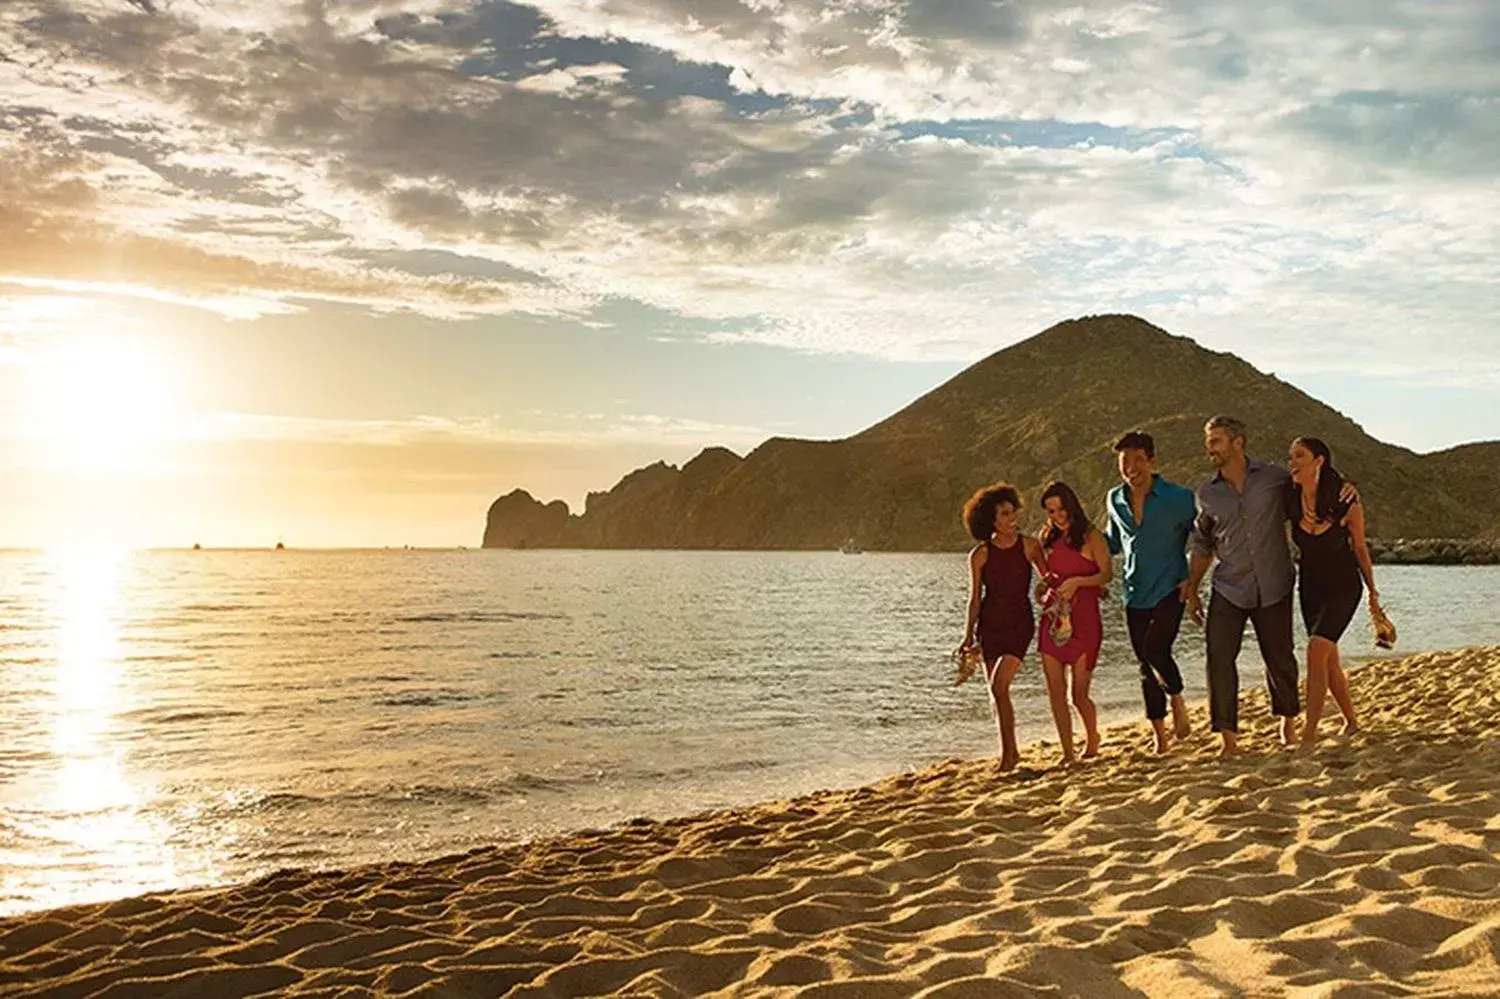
{"x":517,"y":520}
{"x":1435,"y":551}
{"x":1046,"y":408}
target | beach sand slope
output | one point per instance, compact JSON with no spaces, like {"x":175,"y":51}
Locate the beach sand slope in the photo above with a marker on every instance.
{"x":1369,"y":870}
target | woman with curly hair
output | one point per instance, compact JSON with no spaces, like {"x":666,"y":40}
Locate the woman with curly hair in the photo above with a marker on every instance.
{"x":1078,"y":568}
{"x":1000,"y":619}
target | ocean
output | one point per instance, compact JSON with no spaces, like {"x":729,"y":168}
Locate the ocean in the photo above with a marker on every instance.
{"x":178,"y":719}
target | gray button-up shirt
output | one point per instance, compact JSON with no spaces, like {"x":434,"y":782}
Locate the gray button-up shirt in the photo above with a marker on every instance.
{"x":1247,"y":531}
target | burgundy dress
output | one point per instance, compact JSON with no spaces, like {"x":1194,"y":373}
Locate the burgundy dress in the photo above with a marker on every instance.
{"x":1066,"y":562}
{"x":1006,"y":621}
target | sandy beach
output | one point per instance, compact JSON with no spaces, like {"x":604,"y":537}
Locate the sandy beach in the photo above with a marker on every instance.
{"x":1368,"y":870}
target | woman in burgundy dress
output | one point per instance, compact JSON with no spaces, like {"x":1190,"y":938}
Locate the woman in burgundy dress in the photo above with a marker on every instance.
{"x":1000,"y":622}
{"x":1078,"y":568}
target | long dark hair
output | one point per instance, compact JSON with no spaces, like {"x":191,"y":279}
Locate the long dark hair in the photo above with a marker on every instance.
{"x":1078,"y":521}
{"x":1330,"y":483}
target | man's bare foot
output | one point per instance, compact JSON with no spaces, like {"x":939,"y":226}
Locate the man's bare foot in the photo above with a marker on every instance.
{"x":1069,"y":759}
{"x":1091,"y":751}
{"x":1230,"y":745}
{"x":1288,"y":730}
{"x":1181,"y":725}
{"x":1350,"y":727}
{"x":1159,"y":742}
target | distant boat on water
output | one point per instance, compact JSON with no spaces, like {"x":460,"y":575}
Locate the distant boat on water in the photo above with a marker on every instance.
{"x":851,"y":547}
{"x":280,"y":547}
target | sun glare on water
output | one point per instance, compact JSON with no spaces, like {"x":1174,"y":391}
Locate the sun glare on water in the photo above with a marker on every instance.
{"x":102,"y":404}
{"x":80,"y":795}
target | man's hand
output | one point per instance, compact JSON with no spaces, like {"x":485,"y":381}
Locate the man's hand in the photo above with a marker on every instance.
{"x":1348,"y":494}
{"x":1194,"y":604}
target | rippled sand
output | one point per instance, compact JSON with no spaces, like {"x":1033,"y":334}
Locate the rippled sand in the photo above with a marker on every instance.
{"x":1368,"y":870}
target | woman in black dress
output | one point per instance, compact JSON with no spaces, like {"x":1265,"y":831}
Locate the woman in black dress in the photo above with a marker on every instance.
{"x":1000,"y":620}
{"x":1333,"y":570}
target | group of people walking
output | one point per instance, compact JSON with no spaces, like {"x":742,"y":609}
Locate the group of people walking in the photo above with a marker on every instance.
{"x":1168,"y":537}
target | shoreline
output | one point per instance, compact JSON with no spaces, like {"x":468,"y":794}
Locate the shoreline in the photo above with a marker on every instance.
{"x":1383,"y":551}
{"x":1372,"y":866}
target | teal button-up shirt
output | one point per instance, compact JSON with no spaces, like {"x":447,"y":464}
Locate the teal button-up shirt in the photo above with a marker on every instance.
{"x":1155,"y":550}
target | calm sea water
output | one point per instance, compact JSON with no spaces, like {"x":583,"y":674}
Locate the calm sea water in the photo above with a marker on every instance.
{"x":176,"y":718}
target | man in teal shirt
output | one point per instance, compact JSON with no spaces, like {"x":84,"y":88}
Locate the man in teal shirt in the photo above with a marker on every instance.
{"x":1148,"y":520}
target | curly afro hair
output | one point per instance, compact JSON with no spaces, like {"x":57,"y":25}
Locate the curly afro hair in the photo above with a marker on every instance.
{"x":979,"y":511}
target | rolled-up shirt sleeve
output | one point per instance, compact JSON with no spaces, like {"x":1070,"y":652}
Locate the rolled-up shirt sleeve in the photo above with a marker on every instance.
{"x":1112,"y":531}
{"x":1201,"y":540}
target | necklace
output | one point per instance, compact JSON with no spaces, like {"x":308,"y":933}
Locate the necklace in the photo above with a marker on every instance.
{"x":1309,"y":510}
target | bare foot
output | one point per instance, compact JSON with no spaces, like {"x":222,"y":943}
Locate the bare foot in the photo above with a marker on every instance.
{"x":1069,"y":759}
{"x":1306,"y":747}
{"x":1009,"y":763}
{"x":1230,"y":746}
{"x":1181,"y":726}
{"x":1288,"y":731}
{"x":1350,"y":727}
{"x":1159,"y":743}
{"x":1091,"y":752}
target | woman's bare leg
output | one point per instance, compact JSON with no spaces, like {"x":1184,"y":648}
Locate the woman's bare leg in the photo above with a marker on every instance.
{"x":1319,"y":649}
{"x":1057,"y":699}
{"x":1083,"y":676}
{"x":1338,"y":685}
{"x":1000,"y":676}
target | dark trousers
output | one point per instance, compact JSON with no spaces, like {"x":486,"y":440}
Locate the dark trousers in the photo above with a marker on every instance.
{"x":1152,"y":632}
{"x":1273,"y":632}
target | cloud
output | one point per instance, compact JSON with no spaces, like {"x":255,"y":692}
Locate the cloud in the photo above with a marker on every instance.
{"x":540,"y":428}
{"x":1387,"y":136}
{"x":903,"y":179}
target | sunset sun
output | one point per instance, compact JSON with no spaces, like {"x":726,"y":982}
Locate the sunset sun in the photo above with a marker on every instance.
{"x":99,"y":405}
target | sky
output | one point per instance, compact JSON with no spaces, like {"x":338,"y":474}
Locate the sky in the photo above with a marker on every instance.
{"x":341,"y":273}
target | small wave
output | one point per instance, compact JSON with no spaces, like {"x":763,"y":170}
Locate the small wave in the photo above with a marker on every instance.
{"x":477,"y":617}
{"x":424,"y":699}
{"x":727,"y":767}
{"x":591,"y":722}
{"x":179,"y":716}
{"x":161,"y":657}
{"x":276,"y":801}
{"x":468,"y":795}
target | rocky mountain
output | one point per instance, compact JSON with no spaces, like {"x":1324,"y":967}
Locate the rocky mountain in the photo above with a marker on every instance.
{"x":1046,"y":408}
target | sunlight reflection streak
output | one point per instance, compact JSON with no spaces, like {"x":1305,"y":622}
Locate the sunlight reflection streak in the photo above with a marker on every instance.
{"x":91,"y":804}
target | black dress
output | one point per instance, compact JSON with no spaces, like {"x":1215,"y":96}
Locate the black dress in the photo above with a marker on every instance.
{"x":1006,"y":620}
{"x":1329,"y":584}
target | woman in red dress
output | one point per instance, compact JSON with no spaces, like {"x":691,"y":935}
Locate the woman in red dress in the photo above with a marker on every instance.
{"x":1000,"y":622}
{"x":1078,"y":568}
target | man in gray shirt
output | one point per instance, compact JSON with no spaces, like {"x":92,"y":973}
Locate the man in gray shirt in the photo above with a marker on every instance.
{"x":1242,"y":520}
